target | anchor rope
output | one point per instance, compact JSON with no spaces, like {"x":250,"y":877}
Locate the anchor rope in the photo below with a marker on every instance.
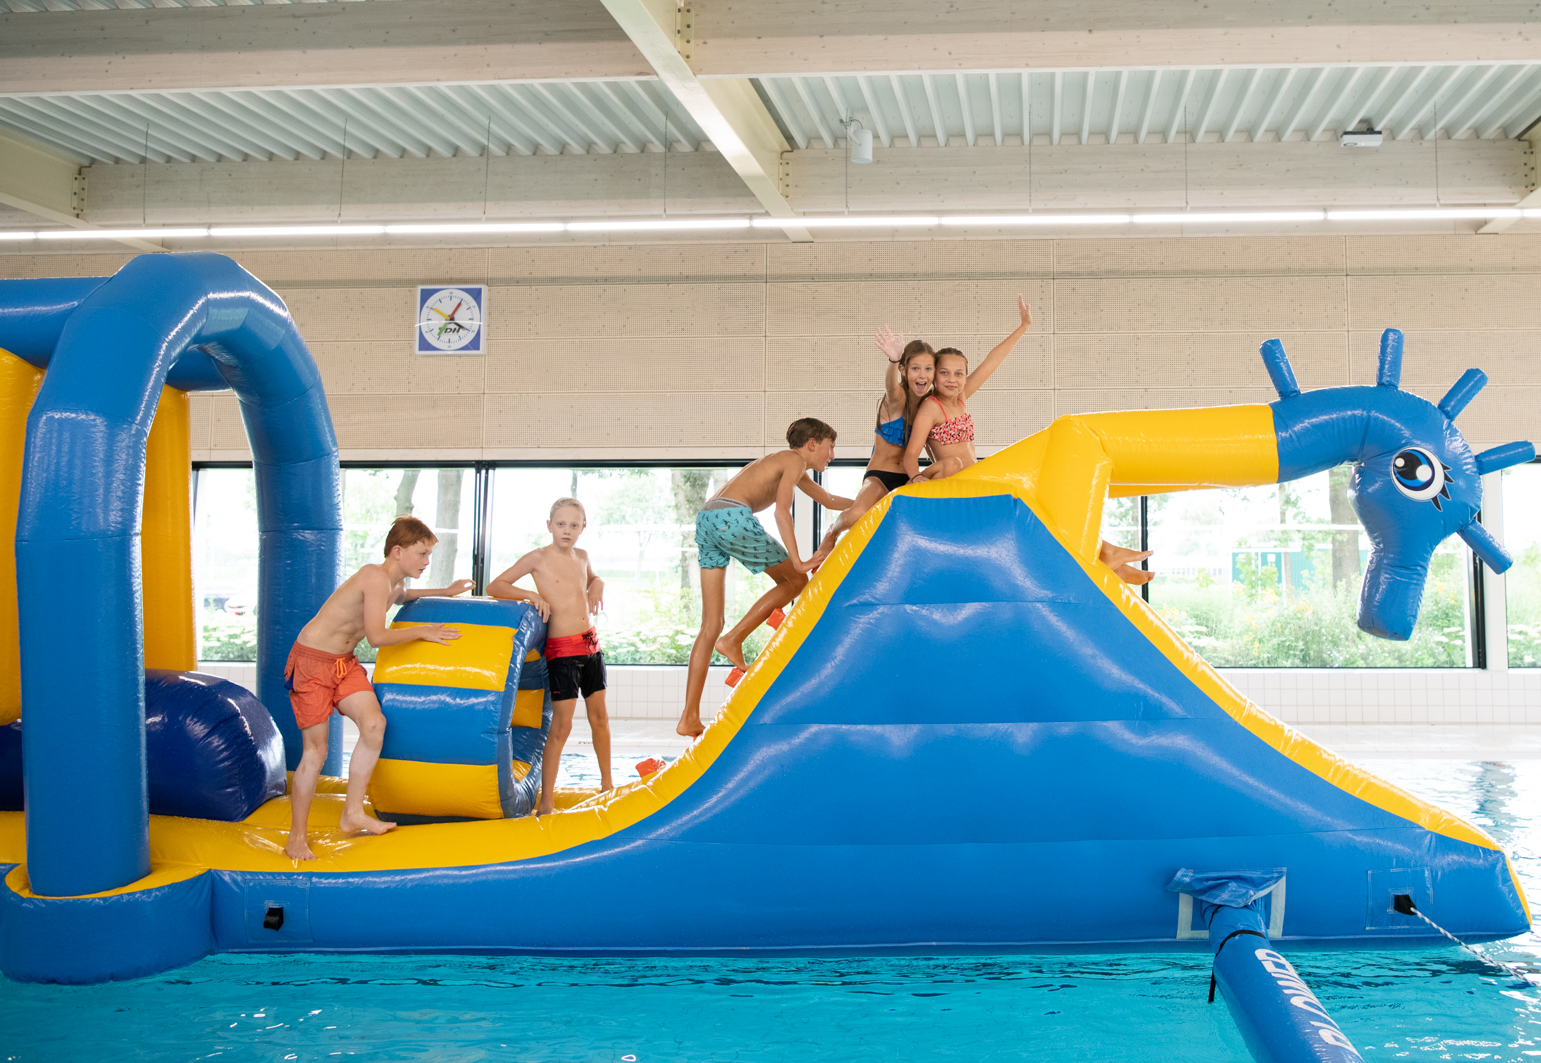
{"x":1512,"y":968}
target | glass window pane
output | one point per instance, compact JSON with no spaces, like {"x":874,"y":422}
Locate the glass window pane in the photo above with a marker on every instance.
{"x":1268,"y":577}
{"x":1121,"y":522}
{"x":1522,"y":583}
{"x":641,"y":541}
{"x":842,"y":480}
{"x":225,"y":564}
{"x":444,"y":499}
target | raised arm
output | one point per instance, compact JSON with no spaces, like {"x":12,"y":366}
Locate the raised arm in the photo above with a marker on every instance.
{"x":377,"y":603}
{"x":926,"y":418}
{"x":503,"y":586}
{"x":892,"y":346}
{"x":998,"y":353}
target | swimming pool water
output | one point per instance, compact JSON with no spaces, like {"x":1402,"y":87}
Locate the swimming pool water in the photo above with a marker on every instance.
{"x":1431,"y":1004}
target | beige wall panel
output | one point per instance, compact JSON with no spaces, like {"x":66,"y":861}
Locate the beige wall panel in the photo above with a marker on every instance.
{"x":1500,"y":415}
{"x":1224,"y":256}
{"x":362,"y":268}
{"x":200,"y":420}
{"x":699,"y":365}
{"x":1436,"y":359}
{"x":625,"y":419}
{"x":353,"y":314}
{"x":1193,"y":359}
{"x":406,"y":422}
{"x":853,"y":362}
{"x":64,"y":264}
{"x":1201,"y":304}
{"x":933,"y":310}
{"x":383,"y":367}
{"x":627,"y":310}
{"x":226,"y":429}
{"x":847,"y":412}
{"x":1004,"y":415}
{"x":1505,"y":253}
{"x":627,"y":264}
{"x":1452,"y":301}
{"x":837,"y":261}
{"x":1071,"y":401}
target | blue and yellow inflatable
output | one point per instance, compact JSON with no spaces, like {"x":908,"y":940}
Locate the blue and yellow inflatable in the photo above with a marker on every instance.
{"x":967,"y":735}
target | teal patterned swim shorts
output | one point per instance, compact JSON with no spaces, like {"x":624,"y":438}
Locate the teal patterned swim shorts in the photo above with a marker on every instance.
{"x":727,"y":533}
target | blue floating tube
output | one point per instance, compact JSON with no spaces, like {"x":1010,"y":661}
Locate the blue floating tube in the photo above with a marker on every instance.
{"x":83,"y":940}
{"x":77,"y":538}
{"x":1281,"y":1020}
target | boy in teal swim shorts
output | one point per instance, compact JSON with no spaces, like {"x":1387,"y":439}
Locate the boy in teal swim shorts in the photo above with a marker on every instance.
{"x":727,"y":528}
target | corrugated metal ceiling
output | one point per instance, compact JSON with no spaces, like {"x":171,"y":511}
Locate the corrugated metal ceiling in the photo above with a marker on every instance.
{"x":413,"y":121}
{"x":1101,"y":106}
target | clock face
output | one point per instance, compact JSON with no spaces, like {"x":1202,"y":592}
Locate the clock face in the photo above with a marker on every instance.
{"x":449,"y":320}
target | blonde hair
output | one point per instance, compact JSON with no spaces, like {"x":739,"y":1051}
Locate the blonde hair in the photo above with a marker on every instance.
{"x":563,"y":503}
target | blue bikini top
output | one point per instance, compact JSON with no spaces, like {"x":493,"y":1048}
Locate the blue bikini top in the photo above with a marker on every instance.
{"x":893,"y":432}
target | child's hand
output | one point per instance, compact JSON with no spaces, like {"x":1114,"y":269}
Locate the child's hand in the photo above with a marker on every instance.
{"x":890,"y":343}
{"x":460,"y":586}
{"x":439,"y":633}
{"x":808,"y":565}
{"x":542,"y":606}
{"x":596,"y":596}
{"x":1025,"y":310}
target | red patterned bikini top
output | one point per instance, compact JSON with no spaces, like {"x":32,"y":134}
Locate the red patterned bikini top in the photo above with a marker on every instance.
{"x":959,"y":429}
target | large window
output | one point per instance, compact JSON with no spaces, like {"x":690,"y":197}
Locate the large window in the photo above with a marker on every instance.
{"x":1259,"y":577}
{"x":1269,"y":577}
{"x":1522,"y":583}
{"x":640,"y":539}
{"x":225,"y":542}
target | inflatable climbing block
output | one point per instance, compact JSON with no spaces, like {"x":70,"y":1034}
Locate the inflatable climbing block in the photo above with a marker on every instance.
{"x":462,"y":733}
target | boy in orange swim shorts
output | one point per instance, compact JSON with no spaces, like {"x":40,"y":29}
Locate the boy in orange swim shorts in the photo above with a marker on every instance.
{"x":323,"y":674}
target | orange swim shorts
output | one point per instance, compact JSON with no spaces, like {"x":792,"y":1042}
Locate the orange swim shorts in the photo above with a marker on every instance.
{"x":318,"y":680}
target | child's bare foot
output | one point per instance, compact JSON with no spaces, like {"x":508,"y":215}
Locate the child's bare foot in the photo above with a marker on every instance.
{"x":1136,"y":576}
{"x":603,"y":786}
{"x":733,"y":651}
{"x":350,"y":822}
{"x":690,"y":725}
{"x":298,"y":848}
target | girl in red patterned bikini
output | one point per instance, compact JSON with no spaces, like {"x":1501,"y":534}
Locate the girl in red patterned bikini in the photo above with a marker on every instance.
{"x":944,"y":427}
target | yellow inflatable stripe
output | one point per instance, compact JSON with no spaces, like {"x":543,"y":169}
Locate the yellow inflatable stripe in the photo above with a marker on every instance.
{"x":160,"y":875}
{"x":477,"y":660}
{"x":436,"y":789}
{"x":521,"y":769}
{"x":18,"y":388}
{"x":533,"y":655}
{"x":530,"y":708}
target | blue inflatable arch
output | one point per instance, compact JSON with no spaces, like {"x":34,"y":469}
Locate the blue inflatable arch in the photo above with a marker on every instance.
{"x":196,"y":321}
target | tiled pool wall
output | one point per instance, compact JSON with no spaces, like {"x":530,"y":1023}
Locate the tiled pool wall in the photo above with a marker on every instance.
{"x":1304,"y":695}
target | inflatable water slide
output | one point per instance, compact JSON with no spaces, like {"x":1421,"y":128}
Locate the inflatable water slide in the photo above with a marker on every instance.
{"x":968,"y":735}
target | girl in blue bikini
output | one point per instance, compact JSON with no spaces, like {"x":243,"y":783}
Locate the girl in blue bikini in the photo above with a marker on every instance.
{"x":906,"y":382}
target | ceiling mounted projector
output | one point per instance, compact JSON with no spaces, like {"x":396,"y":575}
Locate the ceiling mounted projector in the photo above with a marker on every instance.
{"x":1361,"y":138}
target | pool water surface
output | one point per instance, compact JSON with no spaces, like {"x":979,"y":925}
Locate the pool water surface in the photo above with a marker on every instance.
{"x":1438,"y":1003}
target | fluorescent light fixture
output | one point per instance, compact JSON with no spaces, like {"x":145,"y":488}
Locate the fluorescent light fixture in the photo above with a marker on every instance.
{"x":1430,"y":214}
{"x":109,"y":234}
{"x":299,"y":230}
{"x":657,"y":225}
{"x":29,"y":235}
{"x":475,"y":227}
{"x":1531,"y":212}
{"x":1238,"y":217}
{"x":1035,"y":219}
{"x":849,"y":222}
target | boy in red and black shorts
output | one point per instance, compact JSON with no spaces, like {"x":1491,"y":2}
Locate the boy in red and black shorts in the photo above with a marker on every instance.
{"x":567,"y":595}
{"x":323,"y":674}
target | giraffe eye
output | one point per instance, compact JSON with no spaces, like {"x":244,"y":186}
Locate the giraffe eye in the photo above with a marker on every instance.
{"x":1418,"y":474}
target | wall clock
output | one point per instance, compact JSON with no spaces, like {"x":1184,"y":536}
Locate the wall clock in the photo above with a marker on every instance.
{"x":451,"y":320}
